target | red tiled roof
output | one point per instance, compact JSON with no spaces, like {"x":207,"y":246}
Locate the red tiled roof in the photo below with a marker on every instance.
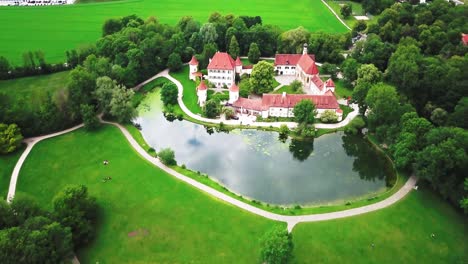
{"x":251,"y":104}
{"x":317,"y":81}
{"x":289,"y":59}
{"x":193,"y":61}
{"x":307,"y":64}
{"x":234,"y":88}
{"x":339,"y":110}
{"x":221,"y":61}
{"x":197,"y":74}
{"x":465,"y":39}
{"x":330,"y":83}
{"x":202,"y":86}
{"x":327,"y":101}
{"x":238,"y":61}
{"x":247,"y":66}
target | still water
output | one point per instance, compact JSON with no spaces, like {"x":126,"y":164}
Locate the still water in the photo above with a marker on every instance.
{"x":256,"y":164}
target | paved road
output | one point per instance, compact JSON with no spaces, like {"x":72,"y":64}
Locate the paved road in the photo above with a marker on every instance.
{"x":290,"y":220}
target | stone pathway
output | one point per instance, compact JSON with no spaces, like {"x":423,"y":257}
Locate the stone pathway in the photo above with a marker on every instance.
{"x":334,"y":13}
{"x":290,"y":220}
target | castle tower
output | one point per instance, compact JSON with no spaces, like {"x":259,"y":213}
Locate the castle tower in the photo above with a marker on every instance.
{"x":233,"y":93}
{"x":193,"y":64}
{"x":202,"y":90}
{"x":304,"y":49}
{"x":238,"y":66}
{"x":329,"y":85}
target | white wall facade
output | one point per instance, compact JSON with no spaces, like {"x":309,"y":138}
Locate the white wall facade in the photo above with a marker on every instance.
{"x":233,"y":96}
{"x":285,"y":69}
{"x":193,"y":69}
{"x":221,"y":77}
{"x":202,"y":94}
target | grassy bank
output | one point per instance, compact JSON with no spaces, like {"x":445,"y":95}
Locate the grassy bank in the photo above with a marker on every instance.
{"x":173,"y":221}
{"x":7,"y":163}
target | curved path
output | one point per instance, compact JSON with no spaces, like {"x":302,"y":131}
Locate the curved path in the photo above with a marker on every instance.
{"x":336,"y":15}
{"x":290,"y":220}
{"x":187,"y":111}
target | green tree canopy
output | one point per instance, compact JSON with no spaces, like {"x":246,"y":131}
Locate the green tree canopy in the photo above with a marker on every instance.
{"x":234,"y":49}
{"x":254,"y":53}
{"x":277,"y":246}
{"x":10,"y":138}
{"x":169,"y":94}
{"x":304,"y":112}
{"x":262,"y":78}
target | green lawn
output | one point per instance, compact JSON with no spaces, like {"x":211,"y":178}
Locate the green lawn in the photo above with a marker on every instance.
{"x":190,"y":97}
{"x":400,"y":233}
{"x":55,"y":29}
{"x":357,"y":10}
{"x":181,"y":224}
{"x":7,"y":163}
{"x":34,"y":89}
{"x":288,"y":90}
{"x":341,"y":90}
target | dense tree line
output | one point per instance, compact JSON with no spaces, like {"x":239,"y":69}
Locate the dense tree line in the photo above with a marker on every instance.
{"x":421,"y":114}
{"x":29,"y":234}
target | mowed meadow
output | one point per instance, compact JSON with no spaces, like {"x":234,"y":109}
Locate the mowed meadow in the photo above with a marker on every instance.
{"x":55,"y":29}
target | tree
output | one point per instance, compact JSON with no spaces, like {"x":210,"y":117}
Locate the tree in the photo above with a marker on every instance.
{"x":464,"y":201}
{"x":262,"y":78}
{"x":254,"y":53}
{"x":349,"y":68}
{"x":368,"y":75}
{"x":329,"y":116}
{"x":284,"y":132}
{"x":88,"y":114}
{"x":10,"y":138}
{"x":234,"y":49}
{"x":167,"y":157}
{"x":346,"y":10}
{"x":23,"y":208}
{"x":74,"y":208}
{"x":174,"y":62}
{"x":103,"y":94}
{"x":169,"y":94}
{"x":111,"y":26}
{"x":458,"y":117}
{"x":439,"y":116}
{"x":296,"y":85}
{"x":292,"y":41}
{"x":277,"y":246}
{"x":304,"y":112}
{"x":208,"y":33}
{"x":81,"y":85}
{"x":121,"y":106}
{"x":212,"y":108}
{"x":4,"y":67}
{"x":244,"y":88}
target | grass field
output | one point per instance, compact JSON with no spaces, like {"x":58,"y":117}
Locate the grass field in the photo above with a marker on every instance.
{"x":7,"y":163}
{"x":401,"y":234}
{"x":341,"y":90}
{"x":55,"y":29}
{"x":189,"y":97}
{"x":34,"y":89}
{"x":288,"y":90}
{"x":175,"y":222}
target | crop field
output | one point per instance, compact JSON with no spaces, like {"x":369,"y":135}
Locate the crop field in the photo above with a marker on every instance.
{"x":55,"y":29}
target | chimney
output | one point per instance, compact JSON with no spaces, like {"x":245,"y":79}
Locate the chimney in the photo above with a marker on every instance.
{"x":304,"y":50}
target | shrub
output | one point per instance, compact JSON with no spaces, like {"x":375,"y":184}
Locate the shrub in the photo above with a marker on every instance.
{"x":169,"y":93}
{"x":355,"y":126}
{"x":10,"y":138}
{"x":167,"y":157}
{"x":329,"y":116}
{"x":277,"y":246}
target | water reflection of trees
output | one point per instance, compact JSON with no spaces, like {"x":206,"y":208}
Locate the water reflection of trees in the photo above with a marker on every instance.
{"x":368,"y":162}
{"x":301,"y":149}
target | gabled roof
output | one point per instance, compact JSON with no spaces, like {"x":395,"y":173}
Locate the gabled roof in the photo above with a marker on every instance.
{"x":193,"y":61}
{"x":197,"y":74}
{"x":326,"y":101}
{"x":238,"y":61}
{"x":289,"y":59}
{"x":330,"y":83}
{"x":317,"y":81}
{"x":202,"y":86}
{"x":221,"y":61}
{"x":307,"y":64}
{"x":234,"y":88}
{"x":251,"y":104}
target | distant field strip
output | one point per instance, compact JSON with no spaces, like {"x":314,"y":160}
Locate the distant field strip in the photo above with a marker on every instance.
{"x":55,"y":29}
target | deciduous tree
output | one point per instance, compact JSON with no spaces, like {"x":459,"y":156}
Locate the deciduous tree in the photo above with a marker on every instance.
{"x":262,"y":78}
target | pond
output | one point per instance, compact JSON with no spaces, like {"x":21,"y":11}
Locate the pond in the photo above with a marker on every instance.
{"x":256,"y":164}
